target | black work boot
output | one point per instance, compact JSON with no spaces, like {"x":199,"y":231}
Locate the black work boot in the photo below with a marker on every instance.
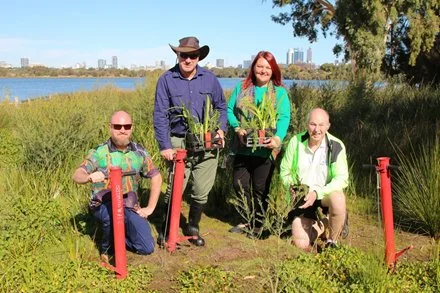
{"x":195,"y":214}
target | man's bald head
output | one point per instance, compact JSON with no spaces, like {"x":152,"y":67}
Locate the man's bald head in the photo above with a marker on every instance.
{"x":120,"y":117}
{"x":318,"y":123}
{"x":320,"y":113}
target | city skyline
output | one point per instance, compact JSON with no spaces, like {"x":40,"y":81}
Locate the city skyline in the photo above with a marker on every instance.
{"x":140,"y":33}
{"x":293,"y":56}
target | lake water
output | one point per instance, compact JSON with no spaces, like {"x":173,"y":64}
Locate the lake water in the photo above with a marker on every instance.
{"x":29,"y":88}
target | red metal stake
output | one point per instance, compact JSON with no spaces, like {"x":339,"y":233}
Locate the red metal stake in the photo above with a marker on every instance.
{"x":176,"y":202}
{"x":118,"y":224}
{"x":387,"y":212}
{"x":176,"y":199}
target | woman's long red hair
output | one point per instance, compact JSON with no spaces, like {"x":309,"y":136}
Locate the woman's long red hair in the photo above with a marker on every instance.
{"x":276,"y":72}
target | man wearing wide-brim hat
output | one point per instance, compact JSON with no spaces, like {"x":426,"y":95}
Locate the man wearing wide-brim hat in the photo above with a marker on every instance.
{"x":191,"y":45}
{"x":188,"y":85}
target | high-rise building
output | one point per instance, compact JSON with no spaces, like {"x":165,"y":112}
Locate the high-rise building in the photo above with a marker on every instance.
{"x":309,"y":55}
{"x":101,"y":63}
{"x":24,"y":62}
{"x":115,"y":62}
{"x":247,"y":64}
{"x":298,"y":56}
{"x":289,"y":59}
{"x":220,"y":63}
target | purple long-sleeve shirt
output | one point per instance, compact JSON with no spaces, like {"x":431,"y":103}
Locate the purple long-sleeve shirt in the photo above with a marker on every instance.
{"x":173,"y":90}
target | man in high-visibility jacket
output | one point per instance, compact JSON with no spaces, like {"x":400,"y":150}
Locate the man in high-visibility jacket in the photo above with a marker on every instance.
{"x":316,"y":159}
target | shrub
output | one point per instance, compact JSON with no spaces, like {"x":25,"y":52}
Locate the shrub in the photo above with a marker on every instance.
{"x":52,"y":131}
{"x":417,"y":187}
{"x":418,"y":276}
{"x":302,"y":275}
{"x":351,"y":268}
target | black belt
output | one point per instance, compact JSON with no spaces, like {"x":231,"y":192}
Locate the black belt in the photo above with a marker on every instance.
{"x":178,"y":135}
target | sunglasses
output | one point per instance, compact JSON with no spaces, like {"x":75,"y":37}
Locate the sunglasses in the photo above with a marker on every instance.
{"x":185,"y":56}
{"x":119,"y":126}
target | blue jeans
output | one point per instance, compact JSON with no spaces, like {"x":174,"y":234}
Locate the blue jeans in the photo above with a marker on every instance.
{"x":138,"y":236}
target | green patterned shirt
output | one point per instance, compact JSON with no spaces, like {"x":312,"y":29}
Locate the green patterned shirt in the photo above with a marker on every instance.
{"x":134,"y":158}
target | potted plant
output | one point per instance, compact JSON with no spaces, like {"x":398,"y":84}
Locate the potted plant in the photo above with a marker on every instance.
{"x":260,"y":122}
{"x":210,"y":123}
{"x":200,"y":135}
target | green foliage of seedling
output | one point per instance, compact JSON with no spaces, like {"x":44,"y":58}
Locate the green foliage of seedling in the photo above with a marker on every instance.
{"x":417,"y":186}
{"x":211,"y":121}
{"x":206,"y":279}
{"x":245,"y":208}
{"x":261,"y":116}
{"x":193,"y":123}
{"x":277,"y":211}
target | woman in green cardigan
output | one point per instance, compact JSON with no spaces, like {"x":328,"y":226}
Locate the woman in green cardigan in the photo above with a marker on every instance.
{"x":261,"y":91}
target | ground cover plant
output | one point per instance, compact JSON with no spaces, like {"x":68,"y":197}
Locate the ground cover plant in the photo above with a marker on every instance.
{"x":47,"y":237}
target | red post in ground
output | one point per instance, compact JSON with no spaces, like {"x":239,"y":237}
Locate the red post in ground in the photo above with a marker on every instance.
{"x":118,"y":223}
{"x":387,"y":212}
{"x":176,"y":200}
{"x":387,"y":209}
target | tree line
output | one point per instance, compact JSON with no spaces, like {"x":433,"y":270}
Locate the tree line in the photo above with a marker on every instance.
{"x":326,"y":71}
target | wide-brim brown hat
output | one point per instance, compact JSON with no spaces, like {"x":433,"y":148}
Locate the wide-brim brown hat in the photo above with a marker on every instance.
{"x":189,"y":45}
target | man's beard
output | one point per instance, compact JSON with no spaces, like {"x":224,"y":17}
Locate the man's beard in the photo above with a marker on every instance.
{"x":122,"y":142}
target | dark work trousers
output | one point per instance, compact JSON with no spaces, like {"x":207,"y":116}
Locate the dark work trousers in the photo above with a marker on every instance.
{"x":137,"y":230}
{"x":252,"y":176}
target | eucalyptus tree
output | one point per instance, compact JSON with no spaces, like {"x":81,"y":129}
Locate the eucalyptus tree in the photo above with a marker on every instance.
{"x":364,"y":26}
{"x":411,"y":49}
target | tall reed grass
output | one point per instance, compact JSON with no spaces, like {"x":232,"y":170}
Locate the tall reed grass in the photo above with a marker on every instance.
{"x":417,"y":189}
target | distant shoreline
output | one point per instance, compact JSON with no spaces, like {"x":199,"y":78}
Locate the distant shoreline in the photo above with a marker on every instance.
{"x":69,"y":76}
